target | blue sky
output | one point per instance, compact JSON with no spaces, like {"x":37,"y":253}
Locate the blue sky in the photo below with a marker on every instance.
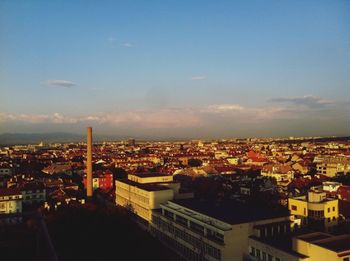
{"x":176,"y":68}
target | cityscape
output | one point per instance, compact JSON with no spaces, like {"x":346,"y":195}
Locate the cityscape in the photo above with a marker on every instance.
{"x":175,"y":130}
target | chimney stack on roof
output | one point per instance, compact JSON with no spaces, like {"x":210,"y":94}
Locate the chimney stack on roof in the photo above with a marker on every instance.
{"x":89,"y":162}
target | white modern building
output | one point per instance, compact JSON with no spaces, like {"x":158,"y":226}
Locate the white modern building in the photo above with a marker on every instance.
{"x":205,"y":230}
{"x":143,"y":193}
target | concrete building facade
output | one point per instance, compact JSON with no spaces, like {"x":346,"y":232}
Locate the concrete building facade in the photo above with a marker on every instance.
{"x":315,"y":207}
{"x":195,"y":232}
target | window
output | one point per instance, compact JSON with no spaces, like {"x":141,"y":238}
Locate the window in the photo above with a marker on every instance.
{"x":316,"y":214}
{"x":269,"y":258}
{"x":328,"y":219}
{"x":181,"y":220}
{"x":294,"y":207}
{"x":252,"y":251}
{"x":277,"y":259}
{"x":264,"y":256}
{"x":329,"y":210}
{"x":197,"y":227}
{"x":333,"y":208}
{"x":258,"y":255}
{"x":346,"y":259}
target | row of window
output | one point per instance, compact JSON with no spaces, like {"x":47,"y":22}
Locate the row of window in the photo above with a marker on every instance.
{"x":272,"y":230}
{"x":178,"y":247}
{"x":316,"y":213}
{"x":133,"y":207}
{"x":10,"y":197}
{"x":127,"y":194}
{"x":35,"y":196}
{"x":261,"y":255}
{"x":33,"y":191}
{"x":197,"y":243}
{"x":331,"y":219}
{"x":214,"y":236}
{"x":329,"y":209}
{"x":295,"y":208}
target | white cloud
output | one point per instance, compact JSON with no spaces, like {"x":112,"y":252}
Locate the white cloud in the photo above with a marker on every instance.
{"x":218,"y":108}
{"x":22,"y":117}
{"x":111,"y":39}
{"x":198,"y":77}
{"x":62,"y":83}
{"x":307,"y":101}
{"x":128,"y":45}
{"x":167,"y":118}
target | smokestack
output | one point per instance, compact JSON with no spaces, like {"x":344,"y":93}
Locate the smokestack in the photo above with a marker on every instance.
{"x":89,"y":162}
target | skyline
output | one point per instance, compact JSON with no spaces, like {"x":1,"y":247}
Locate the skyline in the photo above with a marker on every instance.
{"x":176,"y":69}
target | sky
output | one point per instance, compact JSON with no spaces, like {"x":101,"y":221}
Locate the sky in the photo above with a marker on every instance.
{"x":183,"y":69}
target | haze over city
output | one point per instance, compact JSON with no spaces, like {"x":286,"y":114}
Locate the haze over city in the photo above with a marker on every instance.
{"x":203,"y":69}
{"x":175,"y":130}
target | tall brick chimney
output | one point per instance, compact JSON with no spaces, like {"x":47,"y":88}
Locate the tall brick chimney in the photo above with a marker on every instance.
{"x":89,"y":162}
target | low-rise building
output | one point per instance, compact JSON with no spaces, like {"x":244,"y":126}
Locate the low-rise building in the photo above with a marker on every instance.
{"x":144,"y":192}
{"x":333,"y":166}
{"x":207,"y":230}
{"x":33,"y":192}
{"x":283,"y":174}
{"x":101,"y":180}
{"x":305,"y":247}
{"x":315,"y":209}
{"x":5,"y":170}
{"x":58,"y":168}
{"x":140,"y":198}
{"x":10,"y":205}
{"x":62,"y":197}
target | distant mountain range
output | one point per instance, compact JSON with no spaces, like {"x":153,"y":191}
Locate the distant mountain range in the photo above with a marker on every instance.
{"x":52,"y":137}
{"x":27,"y":138}
{"x":63,"y":137}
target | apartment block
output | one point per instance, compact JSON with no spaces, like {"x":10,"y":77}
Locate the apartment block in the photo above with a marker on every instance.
{"x":315,"y":209}
{"x":200,"y":230}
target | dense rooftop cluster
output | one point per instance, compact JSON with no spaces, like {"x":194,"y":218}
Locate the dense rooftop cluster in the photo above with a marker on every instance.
{"x":262,"y":177}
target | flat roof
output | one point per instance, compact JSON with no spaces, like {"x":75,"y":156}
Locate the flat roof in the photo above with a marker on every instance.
{"x":145,"y":186}
{"x":150,"y":175}
{"x":283,"y":243}
{"x":314,"y":236}
{"x":230,"y":211}
{"x":336,"y":243}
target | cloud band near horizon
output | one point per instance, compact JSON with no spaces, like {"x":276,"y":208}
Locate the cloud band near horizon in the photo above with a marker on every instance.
{"x":303,"y":112}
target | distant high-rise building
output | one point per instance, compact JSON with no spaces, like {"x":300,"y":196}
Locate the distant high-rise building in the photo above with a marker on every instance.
{"x":131,"y":142}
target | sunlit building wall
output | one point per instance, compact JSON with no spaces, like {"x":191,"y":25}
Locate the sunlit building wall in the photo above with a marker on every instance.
{"x":141,"y":199}
{"x":315,"y":246}
{"x":197,"y":236}
{"x":315,"y":207}
{"x":10,"y":205}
